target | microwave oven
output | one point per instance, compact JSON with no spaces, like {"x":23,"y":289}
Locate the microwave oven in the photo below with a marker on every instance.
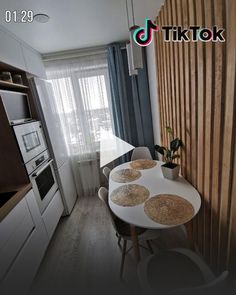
{"x":31,"y":140}
{"x":16,"y":106}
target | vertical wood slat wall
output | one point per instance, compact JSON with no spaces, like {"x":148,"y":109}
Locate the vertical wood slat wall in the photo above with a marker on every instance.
{"x":197,"y":98}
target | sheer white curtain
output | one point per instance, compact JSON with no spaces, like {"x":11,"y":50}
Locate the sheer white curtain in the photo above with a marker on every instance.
{"x":82,"y":94}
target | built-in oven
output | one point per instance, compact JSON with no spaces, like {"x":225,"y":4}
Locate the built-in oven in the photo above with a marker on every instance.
{"x":37,"y":161}
{"x":43,"y":179}
{"x":30,"y":139}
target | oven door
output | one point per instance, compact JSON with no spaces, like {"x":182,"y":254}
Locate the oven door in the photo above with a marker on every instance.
{"x":30,"y":139}
{"x":44,"y":184}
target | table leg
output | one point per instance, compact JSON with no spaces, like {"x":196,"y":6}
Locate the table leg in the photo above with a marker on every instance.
{"x":134,"y":237}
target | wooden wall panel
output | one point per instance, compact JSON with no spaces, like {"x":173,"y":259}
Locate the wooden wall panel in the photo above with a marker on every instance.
{"x":176,"y":73}
{"x":209,"y":70}
{"x":182,"y":87}
{"x":201,"y":112}
{"x":228,"y":134}
{"x":218,"y":114}
{"x":197,"y":98}
{"x":187,"y":130}
{"x":172,"y":69}
{"x":159,"y":78}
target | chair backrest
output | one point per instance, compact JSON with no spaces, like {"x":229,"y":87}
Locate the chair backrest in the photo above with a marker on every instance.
{"x":106,"y":171}
{"x":103,"y":195}
{"x":141,"y":152}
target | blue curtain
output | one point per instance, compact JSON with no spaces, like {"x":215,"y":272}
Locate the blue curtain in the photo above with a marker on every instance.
{"x":130,"y":100}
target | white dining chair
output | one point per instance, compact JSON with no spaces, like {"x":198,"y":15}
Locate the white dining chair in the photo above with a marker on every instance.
{"x":141,"y":152}
{"x":179,"y":271}
{"x":106,"y":171}
{"x":122,"y":230}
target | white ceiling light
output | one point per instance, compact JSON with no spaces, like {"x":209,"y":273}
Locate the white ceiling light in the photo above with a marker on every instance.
{"x":41,"y":18}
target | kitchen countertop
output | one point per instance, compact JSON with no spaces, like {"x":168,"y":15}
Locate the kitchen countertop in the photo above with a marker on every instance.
{"x":20,"y":192}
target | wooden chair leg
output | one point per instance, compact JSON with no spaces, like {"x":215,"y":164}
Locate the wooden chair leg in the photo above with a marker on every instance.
{"x":150,"y":247}
{"x":123,"y":259}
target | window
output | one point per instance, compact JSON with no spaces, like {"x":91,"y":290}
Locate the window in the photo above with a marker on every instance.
{"x":84,"y":107}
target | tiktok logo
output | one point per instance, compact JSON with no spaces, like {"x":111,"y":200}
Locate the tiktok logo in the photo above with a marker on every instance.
{"x":144,"y":36}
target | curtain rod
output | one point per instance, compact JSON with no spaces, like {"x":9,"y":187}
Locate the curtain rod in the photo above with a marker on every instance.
{"x":67,"y":54}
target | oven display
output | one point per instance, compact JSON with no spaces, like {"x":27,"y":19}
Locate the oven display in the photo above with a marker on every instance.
{"x":39,"y":160}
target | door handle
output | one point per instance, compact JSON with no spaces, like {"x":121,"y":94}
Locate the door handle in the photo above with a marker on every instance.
{"x":43,"y":168}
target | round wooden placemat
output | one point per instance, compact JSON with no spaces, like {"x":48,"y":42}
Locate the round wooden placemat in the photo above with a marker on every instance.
{"x":169,"y":209}
{"x":143,"y":164}
{"x":130,"y":195}
{"x":125,"y":175}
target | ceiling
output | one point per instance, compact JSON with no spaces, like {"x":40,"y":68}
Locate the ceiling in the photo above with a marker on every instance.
{"x":76,"y":24}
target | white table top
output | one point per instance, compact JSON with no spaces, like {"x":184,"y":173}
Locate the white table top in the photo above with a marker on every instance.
{"x":154,"y":181}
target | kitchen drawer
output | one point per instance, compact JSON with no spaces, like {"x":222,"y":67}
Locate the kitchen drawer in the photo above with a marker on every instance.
{"x":52,"y":214}
{"x":15,"y":229}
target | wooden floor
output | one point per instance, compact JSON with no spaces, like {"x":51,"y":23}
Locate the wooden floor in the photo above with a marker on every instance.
{"x":84,"y":258}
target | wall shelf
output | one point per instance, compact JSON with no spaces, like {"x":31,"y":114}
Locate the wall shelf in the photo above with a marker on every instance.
{"x":10,"y":85}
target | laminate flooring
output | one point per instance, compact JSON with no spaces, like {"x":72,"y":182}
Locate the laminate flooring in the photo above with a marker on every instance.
{"x":84,"y":258}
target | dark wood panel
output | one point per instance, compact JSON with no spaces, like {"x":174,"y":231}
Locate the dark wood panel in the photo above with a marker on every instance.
{"x":12,"y":169}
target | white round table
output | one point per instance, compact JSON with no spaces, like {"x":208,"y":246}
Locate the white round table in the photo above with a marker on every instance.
{"x":154,"y":181}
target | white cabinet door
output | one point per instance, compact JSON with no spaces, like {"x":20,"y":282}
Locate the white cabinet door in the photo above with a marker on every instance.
{"x":67,"y":186}
{"x":11,"y":51}
{"x":15,"y":229}
{"x":23,"y":270}
{"x":52,"y":214}
{"x":33,"y":62}
{"x":46,"y":100}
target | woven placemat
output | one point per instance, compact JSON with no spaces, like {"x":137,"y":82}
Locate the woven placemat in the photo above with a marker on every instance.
{"x":143,"y":164}
{"x":126,"y":175}
{"x":169,"y":209}
{"x":130,"y":195}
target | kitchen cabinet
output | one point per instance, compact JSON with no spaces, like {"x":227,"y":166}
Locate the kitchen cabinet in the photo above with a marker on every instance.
{"x":31,"y":245}
{"x":14,"y":231}
{"x":33,"y":62}
{"x":11,"y":51}
{"x":19,"y":55}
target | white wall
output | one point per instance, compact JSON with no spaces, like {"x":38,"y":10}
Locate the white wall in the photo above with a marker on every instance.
{"x":152,"y":76}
